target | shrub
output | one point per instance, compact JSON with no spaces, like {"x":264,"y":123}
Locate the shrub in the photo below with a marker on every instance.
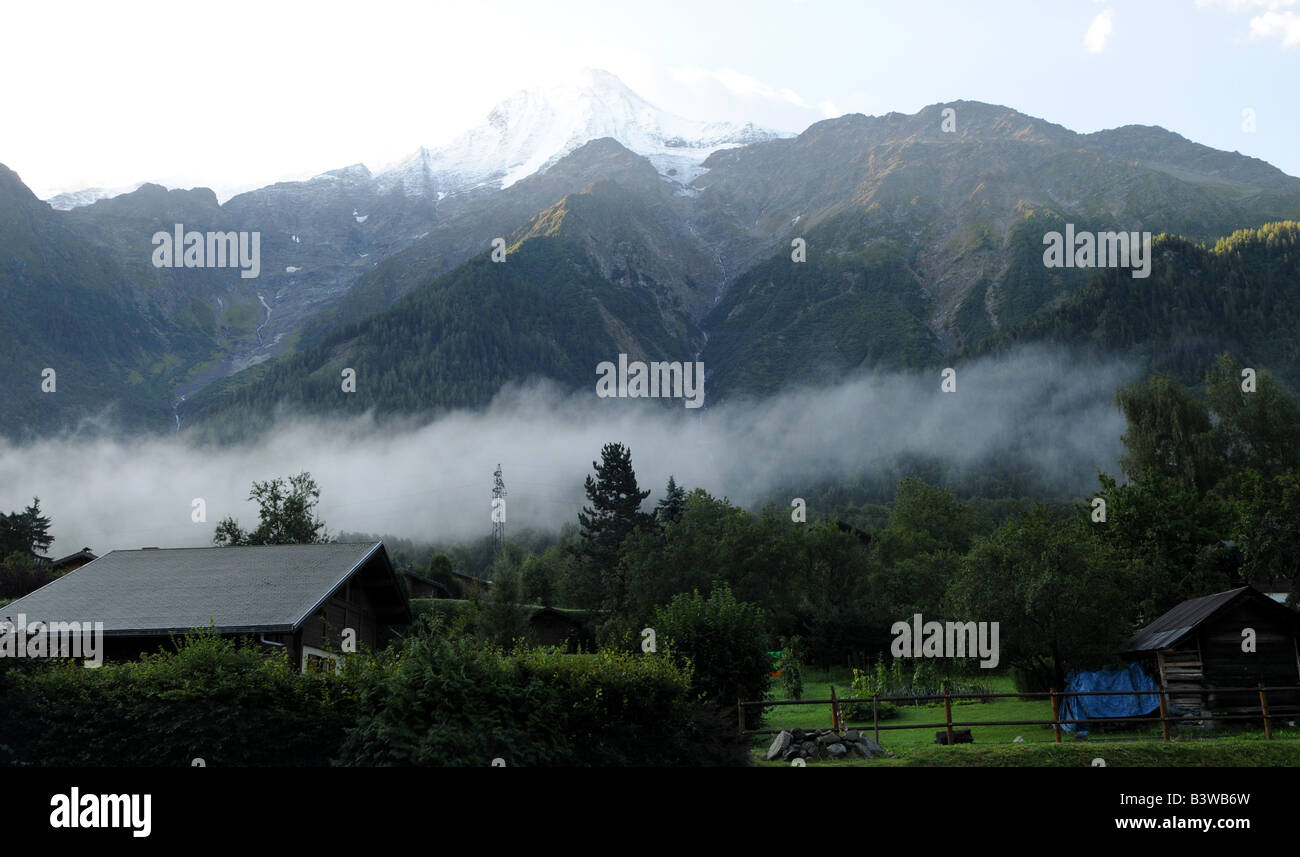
{"x":502,"y":617}
{"x":451,"y":612}
{"x":620,"y":634}
{"x":924,"y":678}
{"x":867,"y":683}
{"x":21,"y":574}
{"x":440,"y":569}
{"x":621,"y":708}
{"x":1036,"y":677}
{"x":792,"y":668}
{"x":448,"y":701}
{"x":725,"y":642}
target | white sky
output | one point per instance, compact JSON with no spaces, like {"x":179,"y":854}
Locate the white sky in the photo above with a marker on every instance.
{"x":235,"y":95}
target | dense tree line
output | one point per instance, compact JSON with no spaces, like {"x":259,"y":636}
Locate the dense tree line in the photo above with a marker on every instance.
{"x":1208,"y":498}
{"x":1237,"y":295}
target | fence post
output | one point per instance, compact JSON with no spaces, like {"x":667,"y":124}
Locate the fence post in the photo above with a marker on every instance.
{"x":835,"y":712}
{"x":1056,"y":720}
{"x":1164,"y":713}
{"x":1263,"y":706}
{"x":875,"y":717}
{"x":947,"y":714}
{"x":740,"y":714}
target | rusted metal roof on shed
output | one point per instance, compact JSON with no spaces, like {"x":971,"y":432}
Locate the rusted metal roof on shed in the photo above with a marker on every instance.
{"x":1174,"y":625}
{"x":1181,"y":620}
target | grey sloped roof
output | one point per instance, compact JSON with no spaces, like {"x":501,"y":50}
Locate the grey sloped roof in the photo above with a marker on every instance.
{"x":239,"y":589}
{"x":1178,"y":622}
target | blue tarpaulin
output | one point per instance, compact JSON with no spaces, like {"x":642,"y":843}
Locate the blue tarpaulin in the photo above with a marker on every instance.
{"x":1095,"y":707}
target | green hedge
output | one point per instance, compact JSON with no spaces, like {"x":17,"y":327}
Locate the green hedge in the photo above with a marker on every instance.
{"x":449,"y":702}
{"x":442,"y":699}
{"x":211,"y":699}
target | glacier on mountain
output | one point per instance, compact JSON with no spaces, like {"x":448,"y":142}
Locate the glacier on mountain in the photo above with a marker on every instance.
{"x":78,"y":198}
{"x":531,"y":130}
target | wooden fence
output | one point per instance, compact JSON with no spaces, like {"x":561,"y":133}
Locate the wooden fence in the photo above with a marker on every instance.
{"x":1165,"y":719}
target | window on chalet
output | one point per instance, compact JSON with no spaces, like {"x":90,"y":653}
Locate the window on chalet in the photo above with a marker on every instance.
{"x":317,"y":660}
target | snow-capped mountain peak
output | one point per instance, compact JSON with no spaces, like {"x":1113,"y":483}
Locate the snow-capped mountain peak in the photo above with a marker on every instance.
{"x":532,"y":129}
{"x":527,"y":133}
{"x":78,"y":198}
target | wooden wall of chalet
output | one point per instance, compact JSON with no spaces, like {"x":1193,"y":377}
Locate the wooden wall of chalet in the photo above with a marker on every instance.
{"x":1178,"y":671}
{"x":417,"y":588}
{"x":1275,"y":660}
{"x":69,"y":566}
{"x":470,"y":586}
{"x":351,"y":607}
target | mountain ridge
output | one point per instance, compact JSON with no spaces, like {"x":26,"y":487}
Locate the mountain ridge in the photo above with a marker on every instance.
{"x":920,"y":243}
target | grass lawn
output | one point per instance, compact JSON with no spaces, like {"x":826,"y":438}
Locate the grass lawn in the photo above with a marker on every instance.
{"x":996,"y":745}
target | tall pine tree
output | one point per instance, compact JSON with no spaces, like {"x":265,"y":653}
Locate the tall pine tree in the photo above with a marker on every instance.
{"x":674,"y":502}
{"x":615,"y":508}
{"x":26,"y":532}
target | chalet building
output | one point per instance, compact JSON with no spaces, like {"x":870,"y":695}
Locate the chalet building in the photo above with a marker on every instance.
{"x":551,"y":627}
{"x":1196,"y":650}
{"x":419,"y":586}
{"x":72,"y":561}
{"x":470,"y":585}
{"x":298,"y":598}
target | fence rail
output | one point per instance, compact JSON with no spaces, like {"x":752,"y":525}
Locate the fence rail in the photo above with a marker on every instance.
{"x":839,"y":720}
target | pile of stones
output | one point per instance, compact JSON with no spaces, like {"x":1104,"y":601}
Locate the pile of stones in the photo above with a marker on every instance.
{"x":822,"y":744}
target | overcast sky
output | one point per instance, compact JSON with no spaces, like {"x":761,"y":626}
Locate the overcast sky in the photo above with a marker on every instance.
{"x":239,"y":94}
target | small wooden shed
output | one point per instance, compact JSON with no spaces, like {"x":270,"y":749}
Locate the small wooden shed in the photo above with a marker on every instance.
{"x":551,"y":627}
{"x":419,"y":586}
{"x":471,"y":585}
{"x":1235,"y":639}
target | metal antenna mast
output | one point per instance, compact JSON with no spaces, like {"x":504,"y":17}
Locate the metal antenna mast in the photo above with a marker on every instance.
{"x":498,"y":511}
